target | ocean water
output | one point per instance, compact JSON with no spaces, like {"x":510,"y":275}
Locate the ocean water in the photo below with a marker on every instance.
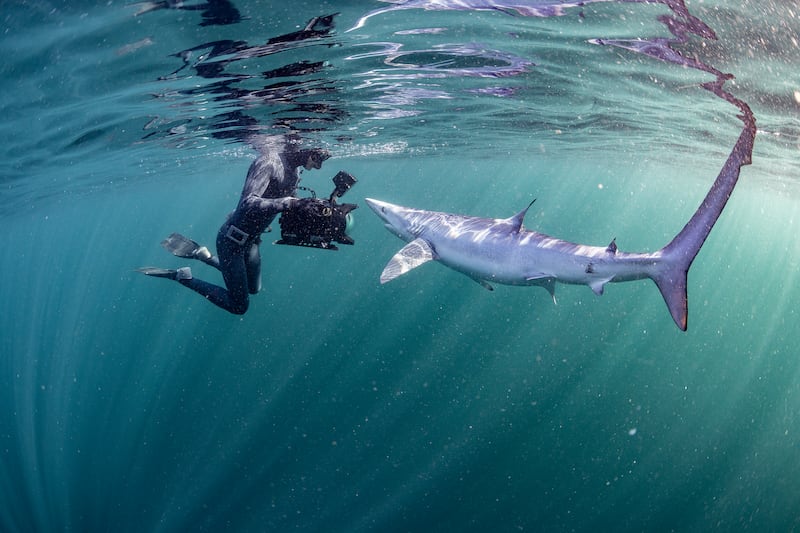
{"x":426,"y":404}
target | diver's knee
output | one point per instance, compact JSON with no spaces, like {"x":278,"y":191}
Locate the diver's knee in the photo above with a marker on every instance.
{"x":240,"y":308}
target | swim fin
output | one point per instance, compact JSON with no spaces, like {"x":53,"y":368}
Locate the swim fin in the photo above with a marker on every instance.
{"x":179,"y":274}
{"x":158,"y":272}
{"x":185,"y":247}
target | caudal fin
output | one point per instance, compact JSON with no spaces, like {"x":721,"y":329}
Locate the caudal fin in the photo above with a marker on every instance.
{"x":672,"y":284}
{"x":677,"y":256}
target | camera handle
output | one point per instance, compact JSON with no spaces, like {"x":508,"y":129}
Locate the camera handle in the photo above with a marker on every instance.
{"x":312,"y":191}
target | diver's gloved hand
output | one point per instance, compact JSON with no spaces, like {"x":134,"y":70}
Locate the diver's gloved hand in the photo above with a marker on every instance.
{"x":302,"y":203}
{"x":288,"y":202}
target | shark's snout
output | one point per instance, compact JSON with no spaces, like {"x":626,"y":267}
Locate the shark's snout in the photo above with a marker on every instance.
{"x":375,"y":205}
{"x":394,"y":217}
{"x":382,"y":209}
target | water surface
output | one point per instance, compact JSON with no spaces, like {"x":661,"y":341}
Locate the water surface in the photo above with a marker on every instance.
{"x":336,"y":403}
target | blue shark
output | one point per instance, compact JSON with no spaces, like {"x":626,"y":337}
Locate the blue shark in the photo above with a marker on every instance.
{"x":503,"y":251}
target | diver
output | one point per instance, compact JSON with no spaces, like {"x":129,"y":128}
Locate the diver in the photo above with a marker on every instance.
{"x":269,"y":189}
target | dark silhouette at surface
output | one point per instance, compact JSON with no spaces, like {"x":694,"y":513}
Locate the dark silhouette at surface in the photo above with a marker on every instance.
{"x":246,"y":89}
{"x":214,"y":12}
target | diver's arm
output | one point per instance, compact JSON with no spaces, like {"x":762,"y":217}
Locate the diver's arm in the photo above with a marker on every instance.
{"x":266,"y":167}
{"x":273,"y":205}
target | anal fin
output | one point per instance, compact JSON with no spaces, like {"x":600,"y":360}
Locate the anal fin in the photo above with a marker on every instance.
{"x":483,"y":283}
{"x":598,"y":285}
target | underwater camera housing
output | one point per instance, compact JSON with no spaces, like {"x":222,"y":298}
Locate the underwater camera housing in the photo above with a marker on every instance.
{"x":318,"y":223}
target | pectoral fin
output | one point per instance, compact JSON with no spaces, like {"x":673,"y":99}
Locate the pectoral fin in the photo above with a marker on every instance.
{"x":409,"y":257}
{"x":544,"y":280}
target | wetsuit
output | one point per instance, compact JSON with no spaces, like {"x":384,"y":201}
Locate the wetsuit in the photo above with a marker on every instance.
{"x":271,"y":181}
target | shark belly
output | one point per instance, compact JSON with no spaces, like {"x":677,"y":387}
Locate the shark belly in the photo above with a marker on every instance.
{"x":497,"y":258}
{"x":534,"y":259}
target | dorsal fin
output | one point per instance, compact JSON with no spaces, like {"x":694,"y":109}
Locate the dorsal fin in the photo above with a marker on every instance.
{"x":516,"y":220}
{"x":612,"y":246}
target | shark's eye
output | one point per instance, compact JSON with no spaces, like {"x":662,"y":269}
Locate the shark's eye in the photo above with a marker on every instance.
{"x":383,"y":209}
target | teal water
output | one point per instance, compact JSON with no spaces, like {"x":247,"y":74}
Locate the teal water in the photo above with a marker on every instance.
{"x":426,"y":404}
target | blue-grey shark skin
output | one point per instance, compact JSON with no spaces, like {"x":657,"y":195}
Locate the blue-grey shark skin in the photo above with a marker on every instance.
{"x":503,"y":251}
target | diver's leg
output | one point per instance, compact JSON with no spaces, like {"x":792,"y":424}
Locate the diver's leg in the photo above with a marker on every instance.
{"x":234,"y":272}
{"x":212,"y":261}
{"x":231,"y":263}
{"x":254,"y":269}
{"x":234,"y":299}
{"x":213,"y":293}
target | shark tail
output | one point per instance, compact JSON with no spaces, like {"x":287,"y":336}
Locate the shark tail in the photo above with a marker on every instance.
{"x":672,"y":267}
{"x":672,"y":283}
